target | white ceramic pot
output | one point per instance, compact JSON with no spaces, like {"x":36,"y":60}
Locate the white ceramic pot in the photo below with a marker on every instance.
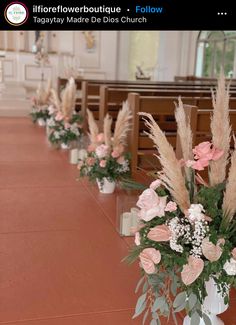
{"x":65,"y":146}
{"x":212,"y":305}
{"x":41,"y":122}
{"x":106,"y":187}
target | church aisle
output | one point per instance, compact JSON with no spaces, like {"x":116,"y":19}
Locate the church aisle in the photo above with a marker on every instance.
{"x":60,"y":256}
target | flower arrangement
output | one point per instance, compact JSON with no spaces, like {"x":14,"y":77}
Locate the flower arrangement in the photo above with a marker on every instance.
{"x":186,"y":234}
{"x":65,"y":125}
{"x":40,"y":103}
{"x":106,"y":157}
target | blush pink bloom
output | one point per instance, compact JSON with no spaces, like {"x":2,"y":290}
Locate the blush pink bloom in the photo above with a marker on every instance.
{"x":51,"y":110}
{"x":234,"y":253}
{"x":197,"y":164}
{"x":121,"y":160}
{"x":171,"y":206}
{"x":67,"y":125}
{"x":151,"y":205}
{"x":90,"y":161}
{"x":159,"y":233}
{"x":148,"y":258}
{"x":59,"y":117}
{"x":192,"y":270}
{"x":100,"y":137}
{"x":203,"y":153}
{"x":117,"y":151}
{"x":102,"y":151}
{"x":155,"y":184}
{"x":91,"y":148}
{"x":210,"y":251}
{"x":203,"y":150}
{"x":103,"y":163}
{"x":115,"y":154}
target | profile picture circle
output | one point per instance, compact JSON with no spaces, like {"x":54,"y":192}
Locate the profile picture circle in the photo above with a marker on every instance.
{"x":16,"y":13}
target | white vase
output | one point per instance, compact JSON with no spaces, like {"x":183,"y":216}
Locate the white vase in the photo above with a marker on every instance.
{"x":106,"y":187}
{"x":212,"y":305}
{"x":64,"y":146}
{"x":41,"y":122}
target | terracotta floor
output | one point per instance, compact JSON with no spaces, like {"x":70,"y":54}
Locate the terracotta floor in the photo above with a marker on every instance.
{"x":60,"y":255}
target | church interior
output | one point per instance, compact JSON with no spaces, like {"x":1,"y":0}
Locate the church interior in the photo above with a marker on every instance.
{"x":64,"y":236}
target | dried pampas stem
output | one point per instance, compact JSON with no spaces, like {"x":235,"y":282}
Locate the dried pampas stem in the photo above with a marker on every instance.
{"x":93,"y":128}
{"x":47,"y":91}
{"x":185,"y":134}
{"x":122,"y":125}
{"x":221,"y":129}
{"x":229,"y":202}
{"x":172,"y":175}
{"x":107,"y":130}
{"x":55,"y":99}
{"x":68,"y":98}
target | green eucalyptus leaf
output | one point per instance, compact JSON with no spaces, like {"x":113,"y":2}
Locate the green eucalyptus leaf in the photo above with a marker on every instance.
{"x":155,"y":316}
{"x":158,"y":303}
{"x":173,"y":286}
{"x":192,"y":300}
{"x":145,"y":317}
{"x":145,"y":287}
{"x":139,"y":284}
{"x":140,"y":310}
{"x":154,"y":322}
{"x":206,"y":319}
{"x":195,"y":319}
{"x":181,"y":307}
{"x":180,"y":299}
{"x":139,"y":306}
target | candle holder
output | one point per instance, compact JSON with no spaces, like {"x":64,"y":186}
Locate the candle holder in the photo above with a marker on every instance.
{"x":126,"y":214}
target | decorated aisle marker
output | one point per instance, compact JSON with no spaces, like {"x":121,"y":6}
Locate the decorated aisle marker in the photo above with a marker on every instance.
{"x":186,"y":238}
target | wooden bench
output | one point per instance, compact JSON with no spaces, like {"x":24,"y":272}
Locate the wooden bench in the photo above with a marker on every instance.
{"x":141,"y":147}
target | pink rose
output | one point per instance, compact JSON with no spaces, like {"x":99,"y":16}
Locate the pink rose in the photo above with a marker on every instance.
{"x":148,"y":199}
{"x":100,"y":137}
{"x":137,"y":238}
{"x":148,"y":258}
{"x":121,"y":160}
{"x":160,"y":233}
{"x":117,"y":151}
{"x":234,"y":253}
{"x":115,"y":154}
{"x":171,"y":206}
{"x":91,"y":148}
{"x":67,"y":125}
{"x":210,"y":251}
{"x":102,"y":151}
{"x":103,"y":163}
{"x":90,"y":161}
{"x":59,"y":116}
{"x":151,"y":205}
{"x":192,"y":270}
{"x":154,"y":185}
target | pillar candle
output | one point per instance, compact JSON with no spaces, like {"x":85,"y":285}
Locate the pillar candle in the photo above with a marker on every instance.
{"x":126,"y":218}
{"x":135,"y":217}
{"x":74,"y":156}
